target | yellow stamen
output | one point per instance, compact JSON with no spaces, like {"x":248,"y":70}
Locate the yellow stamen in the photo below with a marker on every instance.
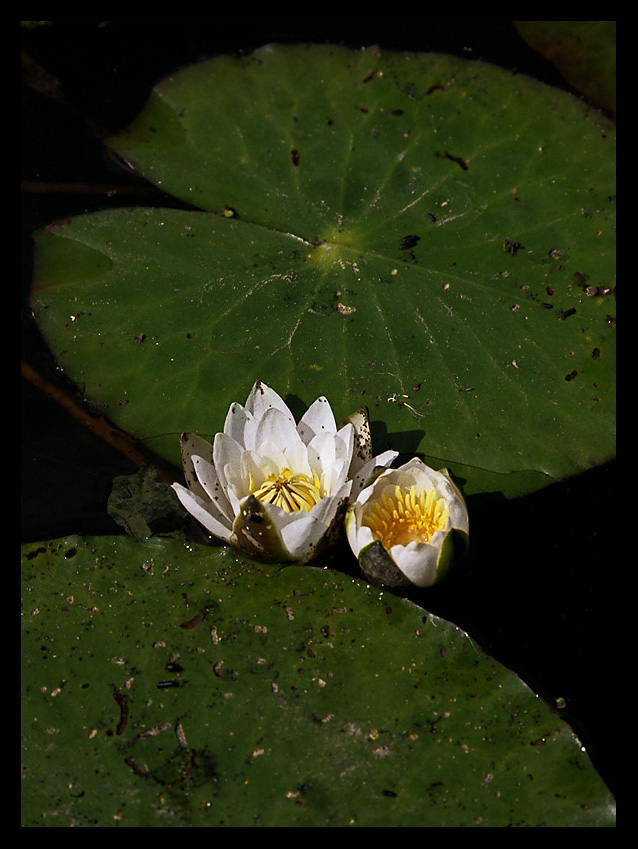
{"x":406,"y":517}
{"x":288,"y":490}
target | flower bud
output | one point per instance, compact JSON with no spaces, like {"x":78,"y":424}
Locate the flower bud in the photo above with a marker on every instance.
{"x":408,"y":526}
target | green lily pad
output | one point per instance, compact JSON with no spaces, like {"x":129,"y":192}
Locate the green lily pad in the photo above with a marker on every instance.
{"x":167,"y":685}
{"x":428,"y":236}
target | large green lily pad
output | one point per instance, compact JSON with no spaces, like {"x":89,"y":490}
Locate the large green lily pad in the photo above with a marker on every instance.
{"x":428,"y":236}
{"x":168,"y":685}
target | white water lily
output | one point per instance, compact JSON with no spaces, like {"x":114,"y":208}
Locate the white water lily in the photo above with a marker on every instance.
{"x":273,"y":488}
{"x":408,"y":526}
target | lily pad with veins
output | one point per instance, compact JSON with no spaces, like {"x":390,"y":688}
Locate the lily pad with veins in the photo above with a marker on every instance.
{"x":428,"y":236}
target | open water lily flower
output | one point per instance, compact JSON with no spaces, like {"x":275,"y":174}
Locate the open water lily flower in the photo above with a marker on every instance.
{"x":275,"y":489}
{"x":408,"y":526}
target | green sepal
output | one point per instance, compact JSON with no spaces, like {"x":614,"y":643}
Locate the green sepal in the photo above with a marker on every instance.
{"x":360,"y":421}
{"x":379,"y":568}
{"x":453,"y":551}
{"x":255,"y":534}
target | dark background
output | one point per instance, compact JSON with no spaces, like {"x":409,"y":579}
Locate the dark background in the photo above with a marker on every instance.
{"x":541,"y":595}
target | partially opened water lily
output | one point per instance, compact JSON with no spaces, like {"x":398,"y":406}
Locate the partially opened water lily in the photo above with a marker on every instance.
{"x":408,"y":526}
{"x":273,"y":488}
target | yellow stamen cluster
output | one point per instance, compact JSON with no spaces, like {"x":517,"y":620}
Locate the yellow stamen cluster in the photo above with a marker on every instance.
{"x":288,"y":490}
{"x":406,"y":517}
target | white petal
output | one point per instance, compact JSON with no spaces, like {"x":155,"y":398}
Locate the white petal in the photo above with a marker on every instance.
{"x":270,"y":457}
{"x":362,"y":537}
{"x":302,"y":534}
{"x":258,"y":467}
{"x":458,"y":517}
{"x":323,"y":450}
{"x":330,"y":455}
{"x":302,"y":531}
{"x":416,"y":472}
{"x":275,"y":428}
{"x":366,"y":470}
{"x":334,"y":477}
{"x":203,"y":512}
{"x":344,"y":445}
{"x":302,"y":542}
{"x":227,"y":455}
{"x":241,"y":426}
{"x":191,"y":444}
{"x":325,"y":510}
{"x":296,"y":458}
{"x":209,"y":480}
{"x":318,"y":418}
{"x":262,"y":398}
{"x":417,"y":561}
{"x":346,"y":435}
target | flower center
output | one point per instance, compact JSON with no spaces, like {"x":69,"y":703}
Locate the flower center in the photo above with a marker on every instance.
{"x":289,"y":491}
{"x":406,"y":517}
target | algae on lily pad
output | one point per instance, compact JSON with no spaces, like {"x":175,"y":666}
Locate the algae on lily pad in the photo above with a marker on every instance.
{"x":425,"y":235}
